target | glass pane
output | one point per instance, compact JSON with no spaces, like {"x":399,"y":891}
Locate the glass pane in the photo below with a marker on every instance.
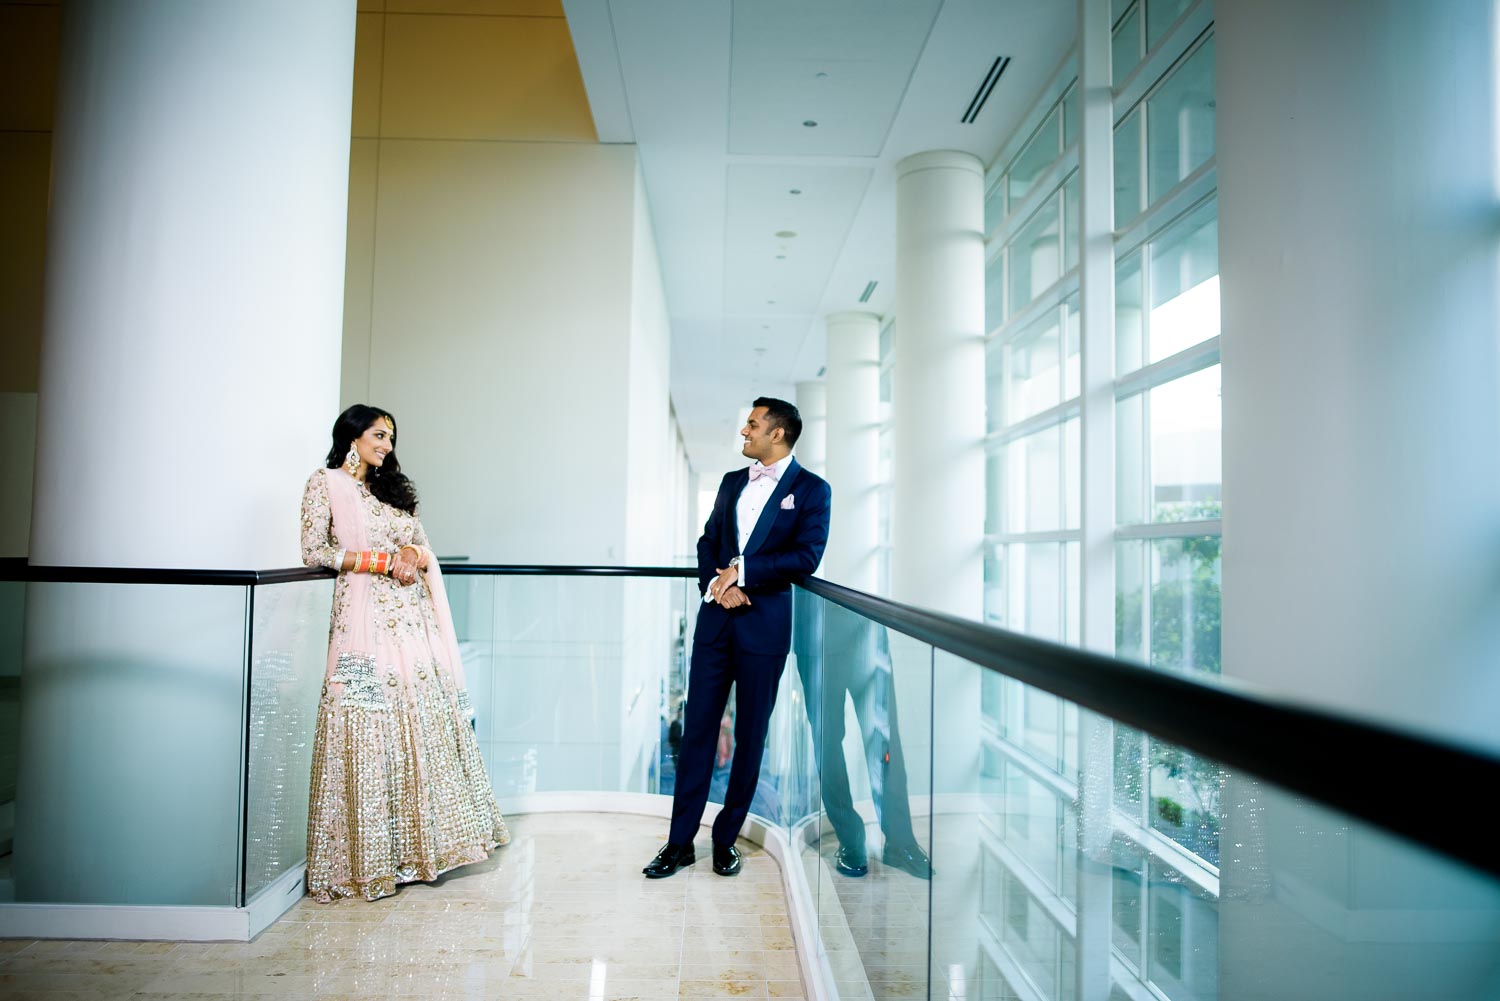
{"x":1033,"y":482}
{"x":1035,"y":257}
{"x":12,"y":624}
{"x":1116,"y":8}
{"x":1129,"y":328}
{"x":1185,"y":423}
{"x":994,"y":206}
{"x":1130,"y":599}
{"x":1073,"y":594}
{"x":153,"y":676}
{"x":994,"y":385}
{"x":1034,"y":380}
{"x":1034,"y":589}
{"x":887,"y":341}
{"x":1186,"y":796}
{"x":1126,"y":51}
{"x":1185,"y":283}
{"x":1072,"y":358}
{"x":1161,"y":15}
{"x":875,"y":762}
{"x":1180,"y":122}
{"x":994,"y":583}
{"x":1182,"y":953}
{"x":1070,"y":115}
{"x":1128,"y":169}
{"x":1130,"y":460}
{"x":1071,"y":228}
{"x":1039,"y":153}
{"x":994,"y":292}
{"x":1185,"y":603}
{"x":1072,"y":474}
{"x":994,"y":468}
{"x":1129,"y":894}
{"x":290,"y":646}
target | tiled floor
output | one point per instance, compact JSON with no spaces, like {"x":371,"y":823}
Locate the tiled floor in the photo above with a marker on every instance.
{"x":562,"y":912}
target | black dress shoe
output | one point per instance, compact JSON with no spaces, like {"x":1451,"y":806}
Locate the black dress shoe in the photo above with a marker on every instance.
{"x":908,"y":858}
{"x":669,"y":860}
{"x":726,"y":860}
{"x":851,"y":861}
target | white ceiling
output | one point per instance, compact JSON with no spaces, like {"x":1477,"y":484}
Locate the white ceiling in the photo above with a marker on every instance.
{"x":715,"y":94}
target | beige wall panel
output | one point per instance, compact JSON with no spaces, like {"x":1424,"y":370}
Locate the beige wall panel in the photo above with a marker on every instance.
{"x":500,"y":340}
{"x":515,"y":8}
{"x":25,"y":159}
{"x":369,"y":38}
{"x":28,"y":66}
{"x":482,"y":78}
{"x":359,"y":264}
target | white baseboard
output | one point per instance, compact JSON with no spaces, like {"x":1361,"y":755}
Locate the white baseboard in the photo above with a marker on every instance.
{"x":154,"y":923}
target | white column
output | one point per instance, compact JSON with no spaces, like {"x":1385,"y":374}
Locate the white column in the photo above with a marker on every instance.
{"x":189,"y":379}
{"x":854,"y":449}
{"x":194,"y":290}
{"x":938,"y":393}
{"x":812,"y":447}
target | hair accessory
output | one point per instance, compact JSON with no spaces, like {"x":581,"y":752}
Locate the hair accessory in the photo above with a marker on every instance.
{"x":351,"y":461}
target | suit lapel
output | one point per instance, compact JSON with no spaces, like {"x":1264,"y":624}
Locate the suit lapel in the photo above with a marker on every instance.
{"x":739,"y":482}
{"x":768,"y":514}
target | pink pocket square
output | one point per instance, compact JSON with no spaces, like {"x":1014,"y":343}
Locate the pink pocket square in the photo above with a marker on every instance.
{"x":788,"y":502}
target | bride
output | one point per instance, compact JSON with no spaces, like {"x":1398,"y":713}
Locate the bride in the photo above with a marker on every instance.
{"x":399,"y":791}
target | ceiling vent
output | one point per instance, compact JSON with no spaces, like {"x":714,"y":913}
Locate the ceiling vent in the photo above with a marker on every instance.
{"x":986,"y":87}
{"x":869,"y":291}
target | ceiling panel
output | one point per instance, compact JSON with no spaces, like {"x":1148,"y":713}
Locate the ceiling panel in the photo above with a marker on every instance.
{"x":779,"y":247}
{"x":841,"y":64}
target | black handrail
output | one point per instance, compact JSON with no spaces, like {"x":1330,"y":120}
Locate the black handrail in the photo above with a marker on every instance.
{"x":1344,"y":763}
{"x":1341,"y":762}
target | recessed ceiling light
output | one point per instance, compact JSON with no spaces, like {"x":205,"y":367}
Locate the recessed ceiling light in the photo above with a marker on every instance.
{"x":770,"y":302}
{"x":809,"y":124}
{"x":820,"y":76}
{"x":781,"y":257}
{"x":785,"y":234}
{"x":795,"y":191}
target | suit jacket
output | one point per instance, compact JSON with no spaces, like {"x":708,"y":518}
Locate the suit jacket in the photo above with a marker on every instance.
{"x":785,"y":546}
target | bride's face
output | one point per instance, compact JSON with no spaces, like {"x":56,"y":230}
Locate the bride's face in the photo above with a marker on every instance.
{"x":376,"y":443}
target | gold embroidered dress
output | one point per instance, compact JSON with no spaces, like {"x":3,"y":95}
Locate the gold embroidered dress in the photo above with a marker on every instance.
{"x":399,"y":790}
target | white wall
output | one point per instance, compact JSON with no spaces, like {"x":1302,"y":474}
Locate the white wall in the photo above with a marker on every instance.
{"x":1359,"y":254}
{"x":504,"y":301}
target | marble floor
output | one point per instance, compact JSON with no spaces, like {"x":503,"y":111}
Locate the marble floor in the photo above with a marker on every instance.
{"x":561,"y":912}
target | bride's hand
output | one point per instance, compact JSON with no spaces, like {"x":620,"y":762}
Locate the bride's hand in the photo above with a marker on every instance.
{"x":404,"y":572}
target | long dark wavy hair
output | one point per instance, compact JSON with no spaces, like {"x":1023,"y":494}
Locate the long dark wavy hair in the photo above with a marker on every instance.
{"x":387,"y":482}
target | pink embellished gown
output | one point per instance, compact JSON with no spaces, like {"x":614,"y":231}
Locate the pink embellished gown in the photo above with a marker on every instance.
{"x":399,"y":792}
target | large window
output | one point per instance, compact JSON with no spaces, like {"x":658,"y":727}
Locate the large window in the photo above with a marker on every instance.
{"x":1165,"y":538}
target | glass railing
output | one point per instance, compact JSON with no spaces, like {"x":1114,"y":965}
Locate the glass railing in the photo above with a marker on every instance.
{"x":1095,"y":829}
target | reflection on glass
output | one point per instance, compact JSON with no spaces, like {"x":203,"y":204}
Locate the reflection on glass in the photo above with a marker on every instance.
{"x":1126,"y":50}
{"x":994,"y":292}
{"x":1070,"y":115}
{"x":1033,"y":481}
{"x":1036,"y":156}
{"x":1128,"y":169}
{"x":1176,"y":623}
{"x":1035,"y":257}
{"x":1072,"y":372}
{"x":1035,"y":376}
{"x":1130,"y":459}
{"x":1161,"y":15}
{"x":1034,"y":589}
{"x":1071,"y":223}
{"x":1072,"y":474}
{"x":1186,"y":794}
{"x":994,"y":470}
{"x":1185,"y":283}
{"x":1180,"y":122}
{"x":994,"y":206}
{"x":1129,"y":330}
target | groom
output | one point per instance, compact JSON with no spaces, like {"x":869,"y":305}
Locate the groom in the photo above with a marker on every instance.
{"x":767,"y":532}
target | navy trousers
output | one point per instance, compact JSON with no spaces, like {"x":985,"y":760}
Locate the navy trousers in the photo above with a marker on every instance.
{"x":716,"y":665}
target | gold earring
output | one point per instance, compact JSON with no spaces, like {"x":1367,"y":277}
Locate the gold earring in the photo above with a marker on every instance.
{"x":351,"y":461}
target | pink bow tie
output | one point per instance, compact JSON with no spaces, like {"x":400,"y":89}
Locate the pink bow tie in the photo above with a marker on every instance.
{"x":757,"y":471}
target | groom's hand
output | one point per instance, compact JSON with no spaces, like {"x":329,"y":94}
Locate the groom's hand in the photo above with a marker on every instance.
{"x":733,"y":597}
{"x":727,"y":576}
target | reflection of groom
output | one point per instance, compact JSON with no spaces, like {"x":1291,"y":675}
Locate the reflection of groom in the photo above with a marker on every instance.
{"x":842,"y":651}
{"x":767,"y":532}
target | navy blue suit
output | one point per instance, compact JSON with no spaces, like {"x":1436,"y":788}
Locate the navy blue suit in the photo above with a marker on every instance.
{"x":745,"y":646}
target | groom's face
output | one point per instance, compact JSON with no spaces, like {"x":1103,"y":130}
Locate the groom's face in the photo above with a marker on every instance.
{"x":757,"y":433}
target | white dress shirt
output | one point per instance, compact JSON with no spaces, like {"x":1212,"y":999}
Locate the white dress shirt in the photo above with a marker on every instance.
{"x":752,"y":503}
